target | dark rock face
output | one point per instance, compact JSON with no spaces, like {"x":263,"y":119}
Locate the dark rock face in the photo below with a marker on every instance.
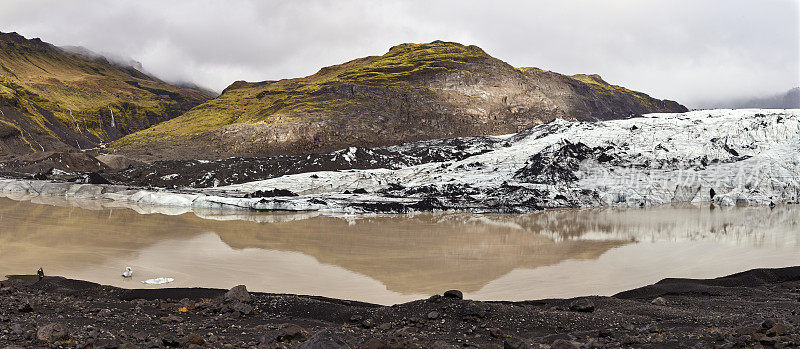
{"x":413,"y":92}
{"x":201,"y":174}
{"x":92,"y":178}
{"x":48,"y":163}
{"x":270,"y":193}
{"x":558,"y":163}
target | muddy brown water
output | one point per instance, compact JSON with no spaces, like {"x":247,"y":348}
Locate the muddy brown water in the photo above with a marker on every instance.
{"x":394,"y":258}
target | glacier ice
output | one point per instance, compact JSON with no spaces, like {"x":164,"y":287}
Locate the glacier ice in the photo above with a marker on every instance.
{"x":724,"y":157}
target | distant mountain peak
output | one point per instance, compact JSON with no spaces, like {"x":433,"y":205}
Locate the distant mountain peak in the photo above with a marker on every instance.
{"x":120,"y":61}
{"x":787,"y":100}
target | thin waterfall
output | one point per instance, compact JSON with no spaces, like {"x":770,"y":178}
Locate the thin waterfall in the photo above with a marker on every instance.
{"x":75,"y":121}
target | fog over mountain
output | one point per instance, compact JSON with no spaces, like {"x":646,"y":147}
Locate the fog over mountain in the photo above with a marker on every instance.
{"x":686,"y":50}
{"x":787,"y":100}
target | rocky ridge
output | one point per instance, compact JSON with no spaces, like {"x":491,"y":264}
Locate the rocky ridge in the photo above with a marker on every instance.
{"x":413,"y":92}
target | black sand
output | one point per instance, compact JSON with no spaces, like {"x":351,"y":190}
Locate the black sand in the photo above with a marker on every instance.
{"x":755,"y":308}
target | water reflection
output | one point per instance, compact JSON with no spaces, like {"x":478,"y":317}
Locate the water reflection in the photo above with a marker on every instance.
{"x":394,"y":258}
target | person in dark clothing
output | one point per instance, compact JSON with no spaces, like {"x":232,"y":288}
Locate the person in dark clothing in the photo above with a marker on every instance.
{"x":40,"y":272}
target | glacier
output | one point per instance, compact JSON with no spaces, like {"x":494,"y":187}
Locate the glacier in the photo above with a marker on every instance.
{"x":719,"y":157}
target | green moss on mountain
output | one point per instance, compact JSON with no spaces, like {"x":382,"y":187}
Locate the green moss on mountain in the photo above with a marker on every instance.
{"x":413,"y":92}
{"x":320,"y":95}
{"x":600,"y":86}
{"x":532,"y":69}
{"x":8,"y":129}
{"x":70,"y":98}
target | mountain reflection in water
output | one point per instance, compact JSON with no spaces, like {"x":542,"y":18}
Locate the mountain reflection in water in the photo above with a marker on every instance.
{"x":394,"y":258}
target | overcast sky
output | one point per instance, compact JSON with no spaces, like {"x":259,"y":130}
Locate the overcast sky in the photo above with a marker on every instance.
{"x":693,"y":51}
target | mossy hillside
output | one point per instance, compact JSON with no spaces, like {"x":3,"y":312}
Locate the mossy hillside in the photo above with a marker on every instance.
{"x":406,"y":61}
{"x":357,"y":87}
{"x":600,"y":86}
{"x":127,"y":117}
{"x":532,"y":70}
{"x":83,"y":93}
{"x":8,"y":129}
{"x":412,"y":92}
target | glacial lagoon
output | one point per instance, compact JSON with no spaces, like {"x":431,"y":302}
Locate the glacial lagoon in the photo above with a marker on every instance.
{"x":390,"y":259}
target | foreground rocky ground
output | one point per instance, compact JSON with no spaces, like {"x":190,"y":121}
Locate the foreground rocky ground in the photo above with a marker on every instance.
{"x":751,"y":309}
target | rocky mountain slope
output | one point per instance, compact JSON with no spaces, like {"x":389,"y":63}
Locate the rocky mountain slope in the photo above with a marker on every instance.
{"x":64,"y":99}
{"x":236,"y":170}
{"x":414,"y":92}
{"x":726,"y":157}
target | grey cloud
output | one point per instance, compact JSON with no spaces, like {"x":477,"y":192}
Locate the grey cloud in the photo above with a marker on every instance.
{"x":694,"y":51}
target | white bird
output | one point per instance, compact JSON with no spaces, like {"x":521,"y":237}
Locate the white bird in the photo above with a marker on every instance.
{"x":128,"y":272}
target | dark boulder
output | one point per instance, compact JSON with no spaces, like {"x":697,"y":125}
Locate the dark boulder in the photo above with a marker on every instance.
{"x":238,"y":293}
{"x":291,"y":332}
{"x":92,"y":178}
{"x":243,"y":308}
{"x":270,"y":193}
{"x":53,"y":332}
{"x":582,"y":305}
{"x":455,"y":294}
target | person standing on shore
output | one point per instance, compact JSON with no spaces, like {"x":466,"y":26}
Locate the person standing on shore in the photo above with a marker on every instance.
{"x":40,"y":272}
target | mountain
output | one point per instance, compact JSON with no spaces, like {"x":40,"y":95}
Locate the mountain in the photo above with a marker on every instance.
{"x":414,"y":92}
{"x":119,"y":61}
{"x":788,"y":100}
{"x":59,"y":99}
{"x":127,"y":62}
{"x":193,"y":86}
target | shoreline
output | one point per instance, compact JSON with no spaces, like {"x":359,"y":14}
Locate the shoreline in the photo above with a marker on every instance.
{"x":171,"y":201}
{"x":755,"y":307}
